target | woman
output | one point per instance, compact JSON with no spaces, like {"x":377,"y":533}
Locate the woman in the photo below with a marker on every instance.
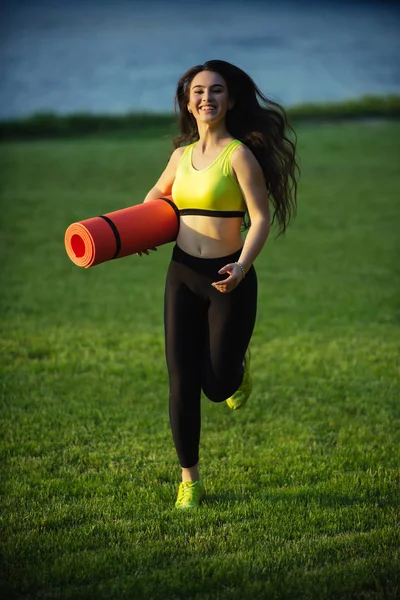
{"x":232,"y":158}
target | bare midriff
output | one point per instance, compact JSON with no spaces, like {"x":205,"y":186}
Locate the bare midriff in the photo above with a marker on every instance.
{"x":209,"y":237}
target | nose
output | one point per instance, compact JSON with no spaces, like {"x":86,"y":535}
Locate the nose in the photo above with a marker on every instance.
{"x":207,"y":96}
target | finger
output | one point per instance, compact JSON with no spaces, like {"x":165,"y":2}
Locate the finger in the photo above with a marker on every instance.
{"x":226,"y":289}
{"x":225,"y":281}
{"x":229,"y":280}
{"x":226,"y":269}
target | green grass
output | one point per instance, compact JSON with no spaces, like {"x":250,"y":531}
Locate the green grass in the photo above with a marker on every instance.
{"x":302,"y":484}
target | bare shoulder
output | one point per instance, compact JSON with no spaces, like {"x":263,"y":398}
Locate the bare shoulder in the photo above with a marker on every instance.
{"x":174,"y":159}
{"x":177,"y":154}
{"x":179,"y":151}
{"x":244,"y":160}
{"x":166,"y":179}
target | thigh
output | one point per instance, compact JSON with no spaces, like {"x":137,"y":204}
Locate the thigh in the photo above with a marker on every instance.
{"x":231,"y":321}
{"x":232,"y":317}
{"x":185,"y":318}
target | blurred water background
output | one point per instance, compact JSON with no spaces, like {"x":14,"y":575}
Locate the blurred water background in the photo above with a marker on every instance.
{"x":116,"y":56}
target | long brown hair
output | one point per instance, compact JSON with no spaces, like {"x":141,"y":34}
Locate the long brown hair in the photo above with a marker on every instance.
{"x":260,"y":124}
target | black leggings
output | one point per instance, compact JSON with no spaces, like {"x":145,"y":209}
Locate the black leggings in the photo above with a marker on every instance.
{"x":207,"y":334}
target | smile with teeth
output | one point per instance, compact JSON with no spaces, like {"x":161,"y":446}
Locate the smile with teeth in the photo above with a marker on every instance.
{"x":207,"y":107}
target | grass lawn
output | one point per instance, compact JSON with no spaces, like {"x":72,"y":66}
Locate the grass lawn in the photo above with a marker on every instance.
{"x":303,"y":484}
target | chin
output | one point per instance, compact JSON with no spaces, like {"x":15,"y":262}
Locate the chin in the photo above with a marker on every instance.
{"x":211,"y":118}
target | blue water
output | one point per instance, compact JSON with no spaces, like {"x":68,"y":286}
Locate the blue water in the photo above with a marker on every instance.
{"x":112,"y":57}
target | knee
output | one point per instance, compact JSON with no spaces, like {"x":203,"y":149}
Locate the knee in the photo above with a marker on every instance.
{"x":219,"y":389}
{"x":216,"y":393}
{"x":217,"y":398}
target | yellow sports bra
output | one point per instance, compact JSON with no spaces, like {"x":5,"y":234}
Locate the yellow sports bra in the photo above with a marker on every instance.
{"x":212,"y":191}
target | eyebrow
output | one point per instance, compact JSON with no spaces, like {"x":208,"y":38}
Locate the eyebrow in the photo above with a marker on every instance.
{"x":213,"y":85}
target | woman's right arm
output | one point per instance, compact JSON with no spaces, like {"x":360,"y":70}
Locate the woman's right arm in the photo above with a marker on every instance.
{"x":163,"y":186}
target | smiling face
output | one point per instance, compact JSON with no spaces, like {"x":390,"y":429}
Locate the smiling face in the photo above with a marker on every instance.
{"x":209,"y":97}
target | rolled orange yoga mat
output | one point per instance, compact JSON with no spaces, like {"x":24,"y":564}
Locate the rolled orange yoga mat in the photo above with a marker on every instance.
{"x":122,"y":232}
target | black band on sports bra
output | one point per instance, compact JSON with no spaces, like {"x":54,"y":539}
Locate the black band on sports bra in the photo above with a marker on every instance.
{"x":212,"y":213}
{"x":116,"y":234}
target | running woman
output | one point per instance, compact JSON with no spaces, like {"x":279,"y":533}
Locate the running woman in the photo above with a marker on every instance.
{"x":233,"y":161}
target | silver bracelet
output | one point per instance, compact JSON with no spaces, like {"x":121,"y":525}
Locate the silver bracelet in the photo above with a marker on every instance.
{"x":241,"y":266}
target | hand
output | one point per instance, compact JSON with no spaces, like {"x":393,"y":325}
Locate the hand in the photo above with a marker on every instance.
{"x":230,"y":283}
{"x":145,"y":252}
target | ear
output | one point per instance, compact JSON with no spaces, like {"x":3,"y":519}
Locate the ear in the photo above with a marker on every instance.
{"x":189,"y":109}
{"x":231,"y":104}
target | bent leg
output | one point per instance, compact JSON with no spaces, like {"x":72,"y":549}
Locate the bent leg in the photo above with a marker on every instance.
{"x":231,"y":320}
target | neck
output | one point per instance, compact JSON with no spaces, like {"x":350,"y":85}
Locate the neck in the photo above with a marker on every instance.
{"x":212,"y":135}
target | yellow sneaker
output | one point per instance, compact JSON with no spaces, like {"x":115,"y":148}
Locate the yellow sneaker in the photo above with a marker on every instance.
{"x":190,"y":494}
{"x":242,"y":394}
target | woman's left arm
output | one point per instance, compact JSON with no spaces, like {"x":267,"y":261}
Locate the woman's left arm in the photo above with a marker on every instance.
{"x":252,"y":183}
